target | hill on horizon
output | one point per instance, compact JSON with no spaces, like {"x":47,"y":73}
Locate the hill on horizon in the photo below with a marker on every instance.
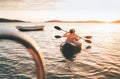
{"x":10,"y":20}
{"x":90,"y":21}
{"x":116,"y":21}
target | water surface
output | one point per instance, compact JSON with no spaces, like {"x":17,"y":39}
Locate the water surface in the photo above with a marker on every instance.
{"x":101,"y":61}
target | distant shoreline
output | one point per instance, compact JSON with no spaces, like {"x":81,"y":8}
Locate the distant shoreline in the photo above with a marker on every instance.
{"x":58,"y":21}
{"x":10,"y":20}
{"x":2,"y":20}
{"x":90,"y":21}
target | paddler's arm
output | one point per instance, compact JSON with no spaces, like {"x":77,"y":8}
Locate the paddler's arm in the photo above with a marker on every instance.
{"x":66,"y":34}
{"x":77,"y":37}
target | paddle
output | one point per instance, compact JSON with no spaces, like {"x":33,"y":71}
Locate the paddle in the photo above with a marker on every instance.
{"x":88,"y":41}
{"x":58,"y":28}
{"x":87,"y":37}
{"x":58,"y":36}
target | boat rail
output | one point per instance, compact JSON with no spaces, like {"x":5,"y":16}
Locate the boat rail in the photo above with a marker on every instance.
{"x":30,"y":45}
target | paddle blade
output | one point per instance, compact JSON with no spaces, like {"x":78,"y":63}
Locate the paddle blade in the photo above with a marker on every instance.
{"x":58,"y":36}
{"x":88,"y":47}
{"x":88,"y":41}
{"x":88,"y":37}
{"x":57,"y":27}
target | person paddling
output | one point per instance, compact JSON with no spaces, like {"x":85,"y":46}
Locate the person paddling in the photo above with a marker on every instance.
{"x":71,"y":36}
{"x":72,"y":45}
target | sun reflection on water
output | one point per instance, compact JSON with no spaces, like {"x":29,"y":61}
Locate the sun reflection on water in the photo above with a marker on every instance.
{"x":105,"y":28}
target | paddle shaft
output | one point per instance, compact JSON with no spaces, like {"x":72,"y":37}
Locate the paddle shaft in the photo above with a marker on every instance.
{"x":64,"y":30}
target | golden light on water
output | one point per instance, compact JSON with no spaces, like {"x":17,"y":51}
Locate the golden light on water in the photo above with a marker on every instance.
{"x":105,"y":28}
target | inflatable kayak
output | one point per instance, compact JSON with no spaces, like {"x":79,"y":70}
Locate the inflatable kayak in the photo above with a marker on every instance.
{"x":70,"y":49}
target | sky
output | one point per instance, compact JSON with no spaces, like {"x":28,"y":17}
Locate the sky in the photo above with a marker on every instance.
{"x":70,"y":10}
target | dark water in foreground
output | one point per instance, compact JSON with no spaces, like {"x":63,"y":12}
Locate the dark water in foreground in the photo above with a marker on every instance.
{"x":102,"y":61}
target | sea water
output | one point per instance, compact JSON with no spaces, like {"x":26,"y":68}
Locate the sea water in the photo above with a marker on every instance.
{"x":100,"y":61}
